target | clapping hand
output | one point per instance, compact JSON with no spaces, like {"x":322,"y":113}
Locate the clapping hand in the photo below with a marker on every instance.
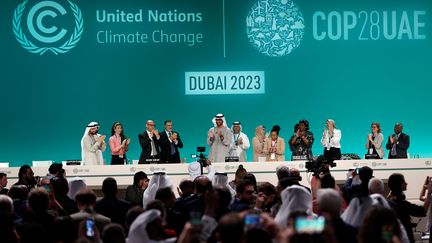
{"x":211,"y":136}
{"x":101,"y":138}
{"x":393,"y":139}
{"x":220,"y":133}
{"x":155,"y":132}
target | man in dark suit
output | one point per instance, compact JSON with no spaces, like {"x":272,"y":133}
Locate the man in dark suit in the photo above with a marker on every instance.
{"x":149,"y":141}
{"x":110,"y":206}
{"x":170,"y":143}
{"x":398,"y":143}
{"x":86,"y":200}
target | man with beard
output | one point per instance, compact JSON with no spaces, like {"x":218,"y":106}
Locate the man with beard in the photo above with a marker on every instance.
{"x":92,"y":145}
{"x":219,"y":138}
{"x":240,"y":142}
{"x":170,"y":143}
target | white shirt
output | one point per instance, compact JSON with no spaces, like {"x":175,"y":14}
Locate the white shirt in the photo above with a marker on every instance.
{"x":240,"y":150}
{"x":152,"y":144}
{"x":328,"y":141}
{"x":168,"y":135}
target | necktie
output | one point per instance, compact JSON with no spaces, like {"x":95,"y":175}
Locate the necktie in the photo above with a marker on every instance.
{"x":393,"y":150}
{"x":153,"y":148}
{"x":172,"y":152}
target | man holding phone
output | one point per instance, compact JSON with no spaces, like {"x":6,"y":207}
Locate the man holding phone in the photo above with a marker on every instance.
{"x":85,"y":200}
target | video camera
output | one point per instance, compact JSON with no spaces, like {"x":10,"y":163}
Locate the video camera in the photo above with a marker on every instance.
{"x":318,"y":165}
{"x":201,"y":157}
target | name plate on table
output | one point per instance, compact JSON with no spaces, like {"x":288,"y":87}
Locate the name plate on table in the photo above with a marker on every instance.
{"x":299,"y":157}
{"x":152,"y":161}
{"x":232,"y":159}
{"x":72,"y":162}
{"x":371,"y":156}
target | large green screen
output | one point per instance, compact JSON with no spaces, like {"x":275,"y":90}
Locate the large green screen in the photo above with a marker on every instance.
{"x":64,"y":64}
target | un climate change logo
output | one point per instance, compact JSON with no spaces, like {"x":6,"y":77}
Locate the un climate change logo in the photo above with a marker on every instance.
{"x":42,"y":27}
{"x":275,"y":27}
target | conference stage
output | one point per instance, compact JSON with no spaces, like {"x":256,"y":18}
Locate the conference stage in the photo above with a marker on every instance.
{"x":414,"y":170}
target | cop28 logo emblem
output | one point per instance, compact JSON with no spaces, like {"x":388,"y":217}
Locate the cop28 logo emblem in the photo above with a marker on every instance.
{"x":275,"y":27}
{"x":42,"y":21}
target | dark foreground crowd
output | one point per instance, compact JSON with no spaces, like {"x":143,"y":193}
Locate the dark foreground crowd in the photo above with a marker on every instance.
{"x":209,"y":209}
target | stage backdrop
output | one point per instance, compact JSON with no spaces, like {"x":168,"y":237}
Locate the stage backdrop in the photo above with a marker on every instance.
{"x":66,"y":63}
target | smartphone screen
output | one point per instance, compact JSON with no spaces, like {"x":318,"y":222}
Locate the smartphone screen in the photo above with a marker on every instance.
{"x":195,"y":217}
{"x":47,"y":188}
{"x":252,"y":221}
{"x":309,"y":224}
{"x":89,"y":228}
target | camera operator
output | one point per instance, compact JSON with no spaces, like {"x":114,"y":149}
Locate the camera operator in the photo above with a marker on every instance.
{"x":26,"y":177}
{"x":319,"y":166}
{"x":196,"y":168}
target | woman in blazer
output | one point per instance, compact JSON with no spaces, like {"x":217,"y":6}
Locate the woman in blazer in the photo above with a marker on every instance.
{"x":274,"y":147}
{"x":375,"y":140}
{"x":258,"y":143}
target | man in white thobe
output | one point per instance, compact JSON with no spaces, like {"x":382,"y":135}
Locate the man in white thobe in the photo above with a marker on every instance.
{"x":240,"y":142}
{"x":219,"y":138}
{"x":92,"y":145}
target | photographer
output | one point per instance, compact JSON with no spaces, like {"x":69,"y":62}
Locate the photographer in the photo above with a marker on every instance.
{"x":26,"y":177}
{"x":356,"y":184}
{"x":319,"y":166}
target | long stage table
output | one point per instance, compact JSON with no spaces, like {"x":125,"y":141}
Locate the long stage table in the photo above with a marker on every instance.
{"x":415,"y":171}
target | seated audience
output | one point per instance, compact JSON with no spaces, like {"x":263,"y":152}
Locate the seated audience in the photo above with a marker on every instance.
{"x":110,"y":206}
{"x":86,"y":200}
{"x":404,"y":209}
{"x":134,"y":193}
